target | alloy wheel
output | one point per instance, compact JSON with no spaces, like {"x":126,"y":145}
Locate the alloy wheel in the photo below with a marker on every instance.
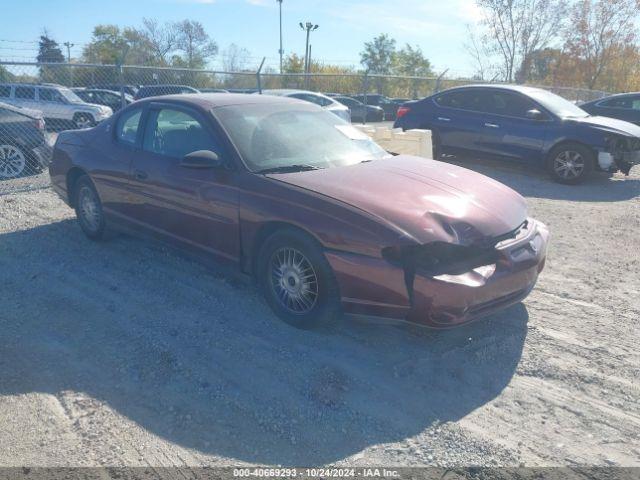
{"x":569,"y":165}
{"x":293,"y":280}
{"x":12,"y":161}
{"x":89,"y":208}
{"x":83,"y":122}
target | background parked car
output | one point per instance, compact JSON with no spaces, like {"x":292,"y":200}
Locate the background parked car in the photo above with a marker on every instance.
{"x":214,"y":90}
{"x":59,"y":105}
{"x":156,"y":90}
{"x":328,"y":103}
{"x":361,"y":112}
{"x":23,"y":147}
{"x":526,"y":124}
{"x":389,"y":106}
{"x":625,"y":106}
{"x":128,"y":89}
{"x":103,"y":97}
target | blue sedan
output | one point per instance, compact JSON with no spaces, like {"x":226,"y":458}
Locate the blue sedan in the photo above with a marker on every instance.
{"x":524,"y":124}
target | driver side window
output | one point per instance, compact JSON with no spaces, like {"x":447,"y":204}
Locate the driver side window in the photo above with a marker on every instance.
{"x":175,"y":133}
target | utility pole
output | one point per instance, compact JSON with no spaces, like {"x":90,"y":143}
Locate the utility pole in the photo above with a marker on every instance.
{"x":68,"y":45}
{"x":281,"y":51}
{"x":309,"y":27}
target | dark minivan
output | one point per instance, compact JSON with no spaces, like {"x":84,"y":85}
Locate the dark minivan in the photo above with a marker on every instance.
{"x":525,"y":124}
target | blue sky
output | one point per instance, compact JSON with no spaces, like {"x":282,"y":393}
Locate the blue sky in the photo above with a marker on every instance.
{"x":438,"y":27}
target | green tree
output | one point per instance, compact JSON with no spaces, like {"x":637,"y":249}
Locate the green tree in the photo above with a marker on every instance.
{"x":49,"y":50}
{"x":378,"y":57}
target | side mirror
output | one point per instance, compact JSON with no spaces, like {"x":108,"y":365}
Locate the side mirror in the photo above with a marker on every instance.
{"x":201,"y":159}
{"x":535,"y":114}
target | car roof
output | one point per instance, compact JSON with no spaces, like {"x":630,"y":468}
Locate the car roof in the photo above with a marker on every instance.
{"x":213,"y":100}
{"x":289,"y":91}
{"x":506,"y":86}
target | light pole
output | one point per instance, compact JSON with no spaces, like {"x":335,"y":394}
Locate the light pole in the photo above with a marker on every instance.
{"x":281,"y":51}
{"x":69,"y":45}
{"x":309,"y":27}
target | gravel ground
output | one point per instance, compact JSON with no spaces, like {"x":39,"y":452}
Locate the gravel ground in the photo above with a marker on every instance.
{"x":128,"y":354}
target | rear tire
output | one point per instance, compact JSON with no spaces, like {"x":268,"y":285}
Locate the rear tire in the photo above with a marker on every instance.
{"x":570,"y":163}
{"x":89,"y":209}
{"x":297,"y":280}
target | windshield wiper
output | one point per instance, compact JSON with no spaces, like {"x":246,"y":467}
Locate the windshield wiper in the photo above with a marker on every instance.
{"x":288,"y":169}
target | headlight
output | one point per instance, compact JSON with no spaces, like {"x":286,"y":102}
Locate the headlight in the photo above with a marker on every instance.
{"x":440,"y":258}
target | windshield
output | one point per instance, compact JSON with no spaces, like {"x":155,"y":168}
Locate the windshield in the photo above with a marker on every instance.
{"x":556,"y":104}
{"x":70,"y":95}
{"x":278,"y":135}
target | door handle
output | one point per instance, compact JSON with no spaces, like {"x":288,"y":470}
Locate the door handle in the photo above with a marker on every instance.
{"x":491,"y":125}
{"x":140,"y":175}
{"x":444,"y":119}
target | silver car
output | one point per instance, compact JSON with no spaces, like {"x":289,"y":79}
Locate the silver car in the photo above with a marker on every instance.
{"x":58,"y":104}
{"x":325,"y":102}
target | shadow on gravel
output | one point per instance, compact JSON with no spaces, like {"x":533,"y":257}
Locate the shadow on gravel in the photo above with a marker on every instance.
{"x":530,"y":182}
{"x":199,"y":361}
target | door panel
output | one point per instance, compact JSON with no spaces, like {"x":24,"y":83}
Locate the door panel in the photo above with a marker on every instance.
{"x":198,"y":207}
{"x":506,"y":130}
{"x":458,"y":119}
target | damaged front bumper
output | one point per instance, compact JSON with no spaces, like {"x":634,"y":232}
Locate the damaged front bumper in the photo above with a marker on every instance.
{"x":620,"y":154}
{"x":376,"y":287}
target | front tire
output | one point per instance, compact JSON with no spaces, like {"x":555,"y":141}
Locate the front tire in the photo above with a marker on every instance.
{"x":89,"y":209}
{"x":436,"y":145}
{"x":570,"y":163}
{"x":297,"y":280}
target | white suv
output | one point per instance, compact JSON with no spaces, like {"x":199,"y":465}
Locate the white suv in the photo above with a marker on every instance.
{"x":59,"y":105}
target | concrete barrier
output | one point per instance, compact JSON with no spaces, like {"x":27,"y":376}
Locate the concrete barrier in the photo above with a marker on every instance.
{"x":411,"y":142}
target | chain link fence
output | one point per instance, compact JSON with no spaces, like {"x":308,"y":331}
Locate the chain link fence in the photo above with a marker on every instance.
{"x":37,"y":100}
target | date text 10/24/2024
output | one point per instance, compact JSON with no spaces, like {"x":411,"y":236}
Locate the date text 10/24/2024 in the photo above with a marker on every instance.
{"x":316,"y":472}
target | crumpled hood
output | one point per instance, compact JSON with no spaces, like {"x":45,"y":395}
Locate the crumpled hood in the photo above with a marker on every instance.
{"x":611,"y":124}
{"x":426,"y":200}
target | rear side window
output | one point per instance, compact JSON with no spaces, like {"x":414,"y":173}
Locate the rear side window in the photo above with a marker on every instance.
{"x":5,"y":91}
{"x":624,"y":102}
{"x":462,"y":99}
{"x":127,"y":126}
{"x":26,"y":93}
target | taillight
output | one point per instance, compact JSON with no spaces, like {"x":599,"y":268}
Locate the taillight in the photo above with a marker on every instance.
{"x":40,"y":124}
{"x":402,"y":111}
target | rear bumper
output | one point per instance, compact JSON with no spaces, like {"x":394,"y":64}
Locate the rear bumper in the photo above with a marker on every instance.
{"x":375,"y":287}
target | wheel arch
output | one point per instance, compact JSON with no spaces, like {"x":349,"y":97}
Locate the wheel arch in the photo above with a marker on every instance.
{"x":565,"y":141}
{"x":72,"y":177}
{"x":265,"y":231}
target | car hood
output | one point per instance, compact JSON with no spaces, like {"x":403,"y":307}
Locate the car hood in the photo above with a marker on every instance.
{"x":423,"y":199}
{"x":610,"y":124}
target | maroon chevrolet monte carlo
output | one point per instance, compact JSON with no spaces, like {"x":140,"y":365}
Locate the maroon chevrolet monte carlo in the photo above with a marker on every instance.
{"x":324,"y":219}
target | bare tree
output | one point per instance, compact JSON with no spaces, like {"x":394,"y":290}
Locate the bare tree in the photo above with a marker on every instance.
{"x":597,"y":30}
{"x":161,"y":39}
{"x":235,"y":58}
{"x":514,"y":29}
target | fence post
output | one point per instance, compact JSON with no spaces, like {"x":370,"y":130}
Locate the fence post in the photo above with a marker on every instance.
{"x":123,"y":102}
{"x":365,"y":87}
{"x":258,"y":78}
